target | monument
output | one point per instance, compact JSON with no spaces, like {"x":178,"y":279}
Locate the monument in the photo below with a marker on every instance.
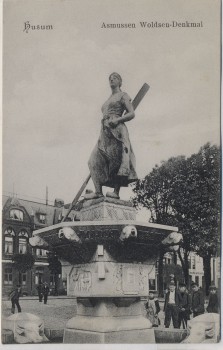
{"x":107,"y":256}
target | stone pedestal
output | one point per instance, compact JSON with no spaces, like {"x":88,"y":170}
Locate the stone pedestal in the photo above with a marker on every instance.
{"x":107,"y":258}
{"x":103,"y":209}
{"x":109,"y":320}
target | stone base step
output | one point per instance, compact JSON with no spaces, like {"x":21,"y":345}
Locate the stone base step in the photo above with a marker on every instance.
{"x":170,"y":335}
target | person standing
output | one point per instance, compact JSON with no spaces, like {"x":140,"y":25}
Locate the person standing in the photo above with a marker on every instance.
{"x":45,"y":292}
{"x":152,"y":310}
{"x":197,"y":303}
{"x":14,"y":297}
{"x":171,"y":306}
{"x":185,"y":305}
{"x":40,"y":291}
{"x":213,"y":300}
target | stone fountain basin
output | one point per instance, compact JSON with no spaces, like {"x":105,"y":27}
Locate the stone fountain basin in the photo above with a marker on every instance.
{"x":125,"y":241}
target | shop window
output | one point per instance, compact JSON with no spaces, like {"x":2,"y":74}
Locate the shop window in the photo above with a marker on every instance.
{"x":8,"y":276}
{"x":16,"y":214}
{"x":197,"y":280}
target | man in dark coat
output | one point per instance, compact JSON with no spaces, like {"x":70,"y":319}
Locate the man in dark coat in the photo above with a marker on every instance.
{"x":40,"y":291}
{"x":14,"y":297}
{"x":213,"y":300}
{"x":197,"y":303}
{"x":185,"y":305}
{"x":171,"y":306}
{"x":45,"y":292}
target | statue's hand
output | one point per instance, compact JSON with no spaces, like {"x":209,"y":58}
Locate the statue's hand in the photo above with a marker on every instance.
{"x":113,"y":123}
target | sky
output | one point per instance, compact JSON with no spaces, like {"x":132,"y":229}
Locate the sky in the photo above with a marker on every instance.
{"x":55,"y":82}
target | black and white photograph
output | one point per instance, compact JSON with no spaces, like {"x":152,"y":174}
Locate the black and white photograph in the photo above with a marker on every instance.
{"x":111,"y":174}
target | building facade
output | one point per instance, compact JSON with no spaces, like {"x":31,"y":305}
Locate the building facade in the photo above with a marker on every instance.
{"x":19,"y":219}
{"x":196,"y":272}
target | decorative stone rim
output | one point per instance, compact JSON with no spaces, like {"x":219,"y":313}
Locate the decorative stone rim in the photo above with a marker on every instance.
{"x":113,"y":223}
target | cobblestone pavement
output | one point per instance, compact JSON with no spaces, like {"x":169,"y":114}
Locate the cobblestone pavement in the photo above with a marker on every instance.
{"x":55,"y":313}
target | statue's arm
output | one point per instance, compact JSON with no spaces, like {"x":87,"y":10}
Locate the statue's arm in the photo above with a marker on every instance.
{"x":130,"y":114}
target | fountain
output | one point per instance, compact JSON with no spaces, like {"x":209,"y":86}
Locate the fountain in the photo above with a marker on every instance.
{"x":107,"y":257}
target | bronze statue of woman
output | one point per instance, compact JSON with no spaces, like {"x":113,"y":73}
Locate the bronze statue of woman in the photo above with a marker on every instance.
{"x":112,"y":162}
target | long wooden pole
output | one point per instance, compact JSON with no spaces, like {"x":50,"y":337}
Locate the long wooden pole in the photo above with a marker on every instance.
{"x":135,"y":104}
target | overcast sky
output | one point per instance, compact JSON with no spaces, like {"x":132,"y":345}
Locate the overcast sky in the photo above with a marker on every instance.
{"x":56,"y":81}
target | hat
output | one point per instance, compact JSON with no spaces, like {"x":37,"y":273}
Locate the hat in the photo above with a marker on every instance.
{"x":194,"y":284}
{"x":212,"y":287}
{"x":172,"y":284}
{"x":182,"y":285}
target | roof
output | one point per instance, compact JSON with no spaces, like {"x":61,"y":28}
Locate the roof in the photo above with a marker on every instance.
{"x":53,"y":213}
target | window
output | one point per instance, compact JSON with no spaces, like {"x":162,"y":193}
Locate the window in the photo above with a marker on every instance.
{"x":22,"y":245}
{"x":16,"y":214}
{"x":8,"y":245}
{"x":24,"y":278}
{"x":39,"y":275}
{"x":203,"y":282}
{"x":60,"y":217}
{"x":8,"y":276}
{"x":42,"y":218}
{"x":218,"y":265}
{"x":41,"y":252}
{"x":166,"y":261}
{"x":192,"y":263}
{"x":65,"y":284}
{"x":9,"y":234}
{"x":52,"y":280}
{"x":23,"y":240}
{"x":197,"y":280}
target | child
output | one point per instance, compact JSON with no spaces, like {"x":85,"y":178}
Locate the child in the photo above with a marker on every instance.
{"x":153,"y":308}
{"x":184,"y":306}
{"x":213,"y":300}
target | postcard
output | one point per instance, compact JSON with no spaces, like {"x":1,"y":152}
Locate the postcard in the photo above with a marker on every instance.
{"x":111,"y":173}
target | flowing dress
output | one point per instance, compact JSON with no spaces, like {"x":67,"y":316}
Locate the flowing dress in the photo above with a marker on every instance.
{"x":112,"y":161}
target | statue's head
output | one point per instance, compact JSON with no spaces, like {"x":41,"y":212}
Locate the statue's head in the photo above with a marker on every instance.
{"x":117,"y":76}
